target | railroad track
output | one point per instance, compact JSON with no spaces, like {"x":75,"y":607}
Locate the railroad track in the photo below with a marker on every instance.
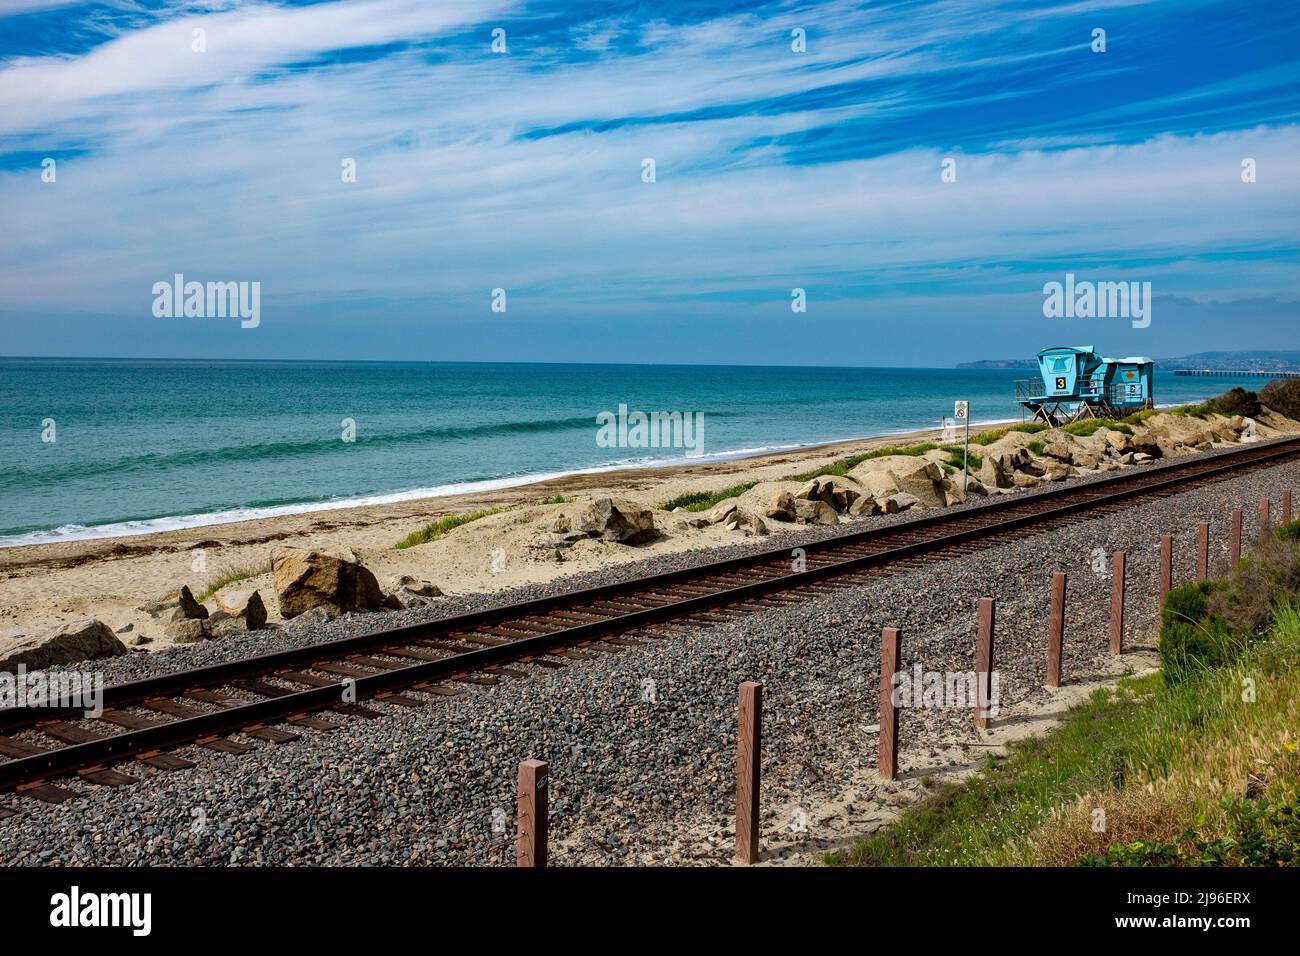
{"x":267,"y":697}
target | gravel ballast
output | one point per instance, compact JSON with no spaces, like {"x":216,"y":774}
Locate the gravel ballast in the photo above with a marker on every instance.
{"x":641,"y":744}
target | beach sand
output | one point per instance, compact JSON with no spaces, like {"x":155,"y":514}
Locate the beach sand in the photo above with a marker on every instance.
{"x":112,"y":579}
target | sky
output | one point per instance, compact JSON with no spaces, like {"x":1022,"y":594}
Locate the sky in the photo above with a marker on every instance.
{"x":776,"y":168}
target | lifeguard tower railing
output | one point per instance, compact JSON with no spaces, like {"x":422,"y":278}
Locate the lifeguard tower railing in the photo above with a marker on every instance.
{"x":1090,"y":389}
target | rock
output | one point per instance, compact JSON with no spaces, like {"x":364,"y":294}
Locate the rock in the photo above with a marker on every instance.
{"x":782,"y":507}
{"x":141,"y":640}
{"x":246,"y":605}
{"x":905,"y":500}
{"x":126,"y":629}
{"x":220,"y":624}
{"x":888,"y":505}
{"x":560,"y":524}
{"x":864,"y":507}
{"x":336,"y":582}
{"x":1117,"y":440}
{"x":952,"y":493}
{"x":1141,"y":458}
{"x":187,"y":630}
{"x":919,"y":477}
{"x":411,"y":592}
{"x":188,"y":606}
{"x":1022,"y":480}
{"x":723,"y":510}
{"x":814,"y":512}
{"x":82,"y":640}
{"x":996,"y":472}
{"x":617,"y":519}
{"x":1056,"y":471}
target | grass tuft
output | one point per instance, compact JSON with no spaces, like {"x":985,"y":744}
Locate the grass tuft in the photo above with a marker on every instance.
{"x":704,"y":500}
{"x":435,"y":530}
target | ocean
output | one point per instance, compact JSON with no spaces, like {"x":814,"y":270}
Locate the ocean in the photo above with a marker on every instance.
{"x":150,"y":445}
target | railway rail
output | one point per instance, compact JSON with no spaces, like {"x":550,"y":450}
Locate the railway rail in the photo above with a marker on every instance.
{"x":268,"y":696}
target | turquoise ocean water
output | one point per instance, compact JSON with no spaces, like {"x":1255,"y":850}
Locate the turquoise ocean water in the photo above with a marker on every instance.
{"x":147,"y":445}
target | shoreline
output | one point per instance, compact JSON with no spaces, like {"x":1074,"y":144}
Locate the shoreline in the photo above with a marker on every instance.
{"x":468,"y":490}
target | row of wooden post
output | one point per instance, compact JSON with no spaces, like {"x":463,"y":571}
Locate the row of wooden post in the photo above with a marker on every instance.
{"x":532,"y":793}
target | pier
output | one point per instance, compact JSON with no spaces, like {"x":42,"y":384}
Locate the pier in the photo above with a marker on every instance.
{"x":1231,"y":373}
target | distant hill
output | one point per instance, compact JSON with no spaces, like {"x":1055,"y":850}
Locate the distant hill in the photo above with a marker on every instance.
{"x":1248,"y":361}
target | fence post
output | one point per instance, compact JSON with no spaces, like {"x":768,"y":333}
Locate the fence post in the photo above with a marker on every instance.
{"x":1117,"y":573}
{"x":891,"y":645}
{"x":1056,"y":630}
{"x":532,"y":813}
{"x":984,"y":662}
{"x":1264,"y":523}
{"x":1286,"y":506}
{"x":1166,"y":564}
{"x":1236,"y":536}
{"x":749,"y":754}
{"x":1203,"y":551}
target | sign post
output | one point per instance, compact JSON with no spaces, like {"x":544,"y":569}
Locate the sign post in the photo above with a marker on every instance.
{"x":961,"y":411}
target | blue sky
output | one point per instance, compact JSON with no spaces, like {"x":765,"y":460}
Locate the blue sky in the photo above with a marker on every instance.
{"x":775,"y":169}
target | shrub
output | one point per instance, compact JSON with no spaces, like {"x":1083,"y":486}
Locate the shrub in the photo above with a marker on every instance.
{"x":1257,"y":586}
{"x":1191,"y":637}
{"x":1289,"y":531}
{"x":1282,"y":395}
{"x":1237,"y":401}
{"x":1089,"y":426}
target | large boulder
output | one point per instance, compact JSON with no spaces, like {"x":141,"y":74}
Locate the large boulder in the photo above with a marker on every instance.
{"x":188,"y":606}
{"x":411,"y":592}
{"x":915,"y":475}
{"x":338,"y":583}
{"x":617,"y":519}
{"x":75,"y":641}
{"x":191,"y":630}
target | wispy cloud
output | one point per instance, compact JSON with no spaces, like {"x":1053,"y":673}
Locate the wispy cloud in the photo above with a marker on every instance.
{"x":774,"y":168}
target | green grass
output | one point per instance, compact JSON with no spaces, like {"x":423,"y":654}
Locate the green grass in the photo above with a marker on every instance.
{"x":1203,"y":410}
{"x":436,"y":529}
{"x":1090,"y":426}
{"x":969,"y":825}
{"x":231,"y":575}
{"x":704,"y":500}
{"x":993,"y":434}
{"x":1037,"y":447}
{"x":845,"y":465}
{"x":1165,"y":762}
{"x":555,"y":500}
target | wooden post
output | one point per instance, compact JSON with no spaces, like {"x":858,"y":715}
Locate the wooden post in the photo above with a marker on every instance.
{"x":1166,"y":564}
{"x":749,"y":754}
{"x":1263,"y":516}
{"x":891,"y":645}
{"x":1203,"y":551}
{"x":1286,"y":506}
{"x":1236,"y":536}
{"x":532,"y":813}
{"x":1117,"y":572}
{"x":984,"y":662}
{"x":1056,"y":630}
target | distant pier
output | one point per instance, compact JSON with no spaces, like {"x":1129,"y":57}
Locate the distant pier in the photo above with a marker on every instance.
{"x":1235,"y":373}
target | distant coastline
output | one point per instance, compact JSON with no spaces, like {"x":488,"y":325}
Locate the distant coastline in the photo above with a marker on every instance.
{"x":1253,"y":361}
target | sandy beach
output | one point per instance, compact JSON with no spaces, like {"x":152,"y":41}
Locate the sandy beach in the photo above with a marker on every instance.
{"x":43,"y":586}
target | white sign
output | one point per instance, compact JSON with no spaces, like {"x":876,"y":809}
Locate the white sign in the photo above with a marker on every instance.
{"x":959,"y":410}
